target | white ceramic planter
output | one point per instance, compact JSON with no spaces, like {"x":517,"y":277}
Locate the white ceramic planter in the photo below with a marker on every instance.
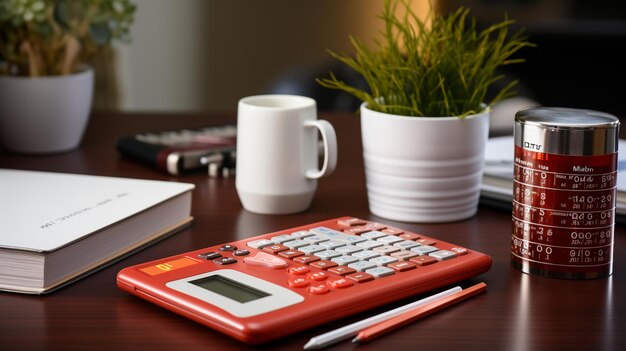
{"x":45,"y":114}
{"x":423,"y":169}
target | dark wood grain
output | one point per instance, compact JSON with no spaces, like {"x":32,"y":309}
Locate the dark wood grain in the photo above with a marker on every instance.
{"x":518,"y":312}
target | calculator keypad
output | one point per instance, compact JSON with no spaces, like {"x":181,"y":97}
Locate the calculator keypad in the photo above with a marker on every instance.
{"x":361,"y":252}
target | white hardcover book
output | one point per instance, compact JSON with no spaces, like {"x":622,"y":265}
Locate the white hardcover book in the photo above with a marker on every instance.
{"x":57,"y":227}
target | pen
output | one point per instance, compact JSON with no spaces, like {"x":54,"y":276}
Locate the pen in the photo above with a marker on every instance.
{"x":394,"y":323}
{"x":351,"y":330}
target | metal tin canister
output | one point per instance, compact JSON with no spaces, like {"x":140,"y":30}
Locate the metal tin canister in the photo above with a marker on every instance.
{"x":565,"y":177}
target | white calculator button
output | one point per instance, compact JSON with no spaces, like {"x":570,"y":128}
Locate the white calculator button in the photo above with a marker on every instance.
{"x":282,"y":238}
{"x":386,"y":250}
{"x":327,"y":232}
{"x":344,"y":260}
{"x":353,"y":239}
{"x":365,"y":255}
{"x":348,"y":249}
{"x":404,"y":255}
{"x":319,"y":289}
{"x":294,"y":244}
{"x":406,"y":244}
{"x":311,"y":249}
{"x":301,"y":234}
{"x":373,"y":235}
{"x":424,"y":249}
{"x":388,"y":240}
{"x":443,"y":255}
{"x":336,"y":235}
{"x":259,"y":244}
{"x":315,"y":239}
{"x":380,"y":271}
{"x":370,"y":244}
{"x":383,"y":260}
{"x":331,"y":244}
{"x":328,"y":254}
{"x":361,"y":266}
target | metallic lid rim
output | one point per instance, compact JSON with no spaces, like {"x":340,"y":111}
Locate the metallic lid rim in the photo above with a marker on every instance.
{"x":612,"y":125}
{"x":562,"y":118}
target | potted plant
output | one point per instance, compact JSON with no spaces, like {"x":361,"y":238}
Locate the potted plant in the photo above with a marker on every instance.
{"x":46,"y":86}
{"x":425,"y":117}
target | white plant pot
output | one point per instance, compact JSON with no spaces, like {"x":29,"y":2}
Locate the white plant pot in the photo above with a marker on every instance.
{"x":45,"y":114}
{"x":423,"y":169}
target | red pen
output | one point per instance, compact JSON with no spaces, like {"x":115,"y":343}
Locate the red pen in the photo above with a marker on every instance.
{"x":384,"y":327}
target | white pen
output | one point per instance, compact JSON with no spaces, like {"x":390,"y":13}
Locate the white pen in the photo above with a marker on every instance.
{"x":353,"y":329}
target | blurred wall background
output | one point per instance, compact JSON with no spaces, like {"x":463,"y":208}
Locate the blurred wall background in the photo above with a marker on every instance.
{"x":195,"y":55}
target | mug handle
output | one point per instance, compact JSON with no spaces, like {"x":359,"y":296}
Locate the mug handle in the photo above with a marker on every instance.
{"x":329,"y":139}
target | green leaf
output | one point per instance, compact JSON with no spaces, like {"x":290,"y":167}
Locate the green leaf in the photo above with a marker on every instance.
{"x":62,"y":14}
{"x":100,"y":33}
{"x":441,"y":68}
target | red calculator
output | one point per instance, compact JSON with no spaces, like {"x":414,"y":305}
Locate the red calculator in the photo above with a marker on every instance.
{"x":272,"y":285}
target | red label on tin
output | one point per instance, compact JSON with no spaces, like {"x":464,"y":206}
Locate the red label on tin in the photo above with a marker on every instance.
{"x":563,"y":211}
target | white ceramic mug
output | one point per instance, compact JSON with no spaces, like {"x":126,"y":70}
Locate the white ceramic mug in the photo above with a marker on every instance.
{"x":277,"y":153}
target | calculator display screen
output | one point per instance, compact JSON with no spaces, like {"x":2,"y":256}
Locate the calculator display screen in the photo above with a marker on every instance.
{"x":229,"y":288}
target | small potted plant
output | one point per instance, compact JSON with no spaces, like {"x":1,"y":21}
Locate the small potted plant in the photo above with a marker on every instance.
{"x":46,"y":85}
{"x":425,"y":118}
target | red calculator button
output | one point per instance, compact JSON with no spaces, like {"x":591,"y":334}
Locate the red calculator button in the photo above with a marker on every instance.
{"x":319,"y":289}
{"x":390,"y":231}
{"x":360,"y":277}
{"x":426,"y":241}
{"x":298,"y":282}
{"x":266,"y":260}
{"x":340,"y":283}
{"x":459,"y":250}
{"x":324,"y":264}
{"x":374,"y":226}
{"x":275,"y":248}
{"x":423,"y":260}
{"x":291,"y":253}
{"x":402,"y":266}
{"x":342,"y":270}
{"x":351,"y":222}
{"x":299,"y":270}
{"x":306,"y":259}
{"x":409,"y":236}
{"x":357,"y":230}
{"x":318,"y":276}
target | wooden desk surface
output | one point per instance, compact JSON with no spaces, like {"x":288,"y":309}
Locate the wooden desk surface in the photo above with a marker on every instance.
{"x":518,"y":312}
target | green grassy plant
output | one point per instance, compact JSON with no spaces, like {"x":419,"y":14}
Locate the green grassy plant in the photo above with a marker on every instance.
{"x":443,"y":69}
